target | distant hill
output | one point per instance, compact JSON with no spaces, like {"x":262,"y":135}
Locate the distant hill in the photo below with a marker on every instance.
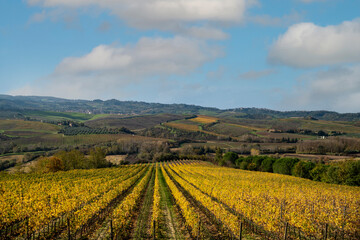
{"x":19,"y":103}
{"x":12,"y":106}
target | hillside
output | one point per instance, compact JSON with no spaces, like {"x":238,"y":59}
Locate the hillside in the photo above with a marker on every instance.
{"x":30,"y":106}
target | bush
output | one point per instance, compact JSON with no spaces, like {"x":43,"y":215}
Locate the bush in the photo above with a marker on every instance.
{"x":343,"y":173}
{"x":73,"y":159}
{"x":267,"y":164}
{"x":49,"y":164}
{"x":7,"y":164}
{"x":317,"y":173}
{"x":251,"y":167}
{"x":244,"y":165}
{"x":257,"y":160}
{"x":302,"y":169}
{"x":97,"y":159}
{"x":284,"y":165}
{"x":230,"y":156}
{"x":352,"y":173}
{"x":54,"y":164}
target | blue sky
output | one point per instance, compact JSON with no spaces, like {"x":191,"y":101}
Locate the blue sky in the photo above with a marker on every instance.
{"x":284,"y":55}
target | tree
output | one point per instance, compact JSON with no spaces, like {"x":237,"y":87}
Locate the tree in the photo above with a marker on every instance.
{"x":267,"y":164}
{"x":302,"y":169}
{"x":284,"y":165}
{"x":218,"y":154}
{"x":55,"y":164}
{"x":97,"y":158}
{"x":72,"y":160}
{"x":317,"y":173}
{"x":230,"y":156}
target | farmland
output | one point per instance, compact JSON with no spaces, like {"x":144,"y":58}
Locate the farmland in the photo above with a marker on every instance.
{"x":178,"y":200}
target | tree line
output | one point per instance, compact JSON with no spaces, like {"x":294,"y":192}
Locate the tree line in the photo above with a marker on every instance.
{"x":74,"y":159}
{"x":345,"y":172}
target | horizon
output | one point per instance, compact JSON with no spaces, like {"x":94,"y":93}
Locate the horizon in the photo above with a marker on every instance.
{"x":298,"y":55}
{"x":221,"y":109}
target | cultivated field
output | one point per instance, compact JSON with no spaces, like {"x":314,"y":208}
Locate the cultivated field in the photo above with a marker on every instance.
{"x":177,"y":200}
{"x":204,"y":119}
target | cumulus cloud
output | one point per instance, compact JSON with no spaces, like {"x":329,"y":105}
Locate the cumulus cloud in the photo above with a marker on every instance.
{"x":334,"y":89}
{"x":165,"y":15}
{"x":253,"y":75}
{"x":308,"y":45}
{"x":109,"y":69}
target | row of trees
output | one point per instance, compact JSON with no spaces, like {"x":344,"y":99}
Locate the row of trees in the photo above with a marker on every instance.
{"x":346,"y":172}
{"x":74,"y":159}
{"x":334,"y":145}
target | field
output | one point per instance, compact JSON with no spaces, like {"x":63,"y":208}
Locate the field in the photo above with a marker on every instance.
{"x":31,"y":136}
{"x":175,"y":200}
{"x":132,"y":123}
{"x":204,"y":119}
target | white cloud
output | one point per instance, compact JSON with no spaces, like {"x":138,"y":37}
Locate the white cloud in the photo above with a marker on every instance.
{"x":143,"y":12}
{"x":165,"y":15}
{"x":108,"y":70}
{"x":308,"y":45}
{"x":335,"y":89}
{"x":253,"y":75}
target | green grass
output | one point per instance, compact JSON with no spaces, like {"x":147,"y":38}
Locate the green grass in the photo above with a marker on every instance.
{"x":142,"y":223}
{"x":59,"y":116}
{"x":167,"y":203}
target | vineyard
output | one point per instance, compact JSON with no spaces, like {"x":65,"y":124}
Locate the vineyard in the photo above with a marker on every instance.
{"x":175,"y":200}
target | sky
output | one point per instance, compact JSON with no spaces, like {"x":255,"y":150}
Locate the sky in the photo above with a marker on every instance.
{"x":277,"y":54}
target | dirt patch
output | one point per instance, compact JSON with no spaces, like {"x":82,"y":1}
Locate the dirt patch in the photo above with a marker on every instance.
{"x":25,"y":168}
{"x":170,"y":224}
{"x":116,"y":159}
{"x":18,"y":158}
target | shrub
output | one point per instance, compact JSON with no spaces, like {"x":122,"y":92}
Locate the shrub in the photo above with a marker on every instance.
{"x":353,"y":173}
{"x":317,"y":173}
{"x":284,"y":165}
{"x":244,"y":165}
{"x":302,"y":169}
{"x":267,"y":165}
{"x":251,"y":167}
{"x":257,"y":160}
{"x":230,"y":156}
{"x":54,"y":164}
